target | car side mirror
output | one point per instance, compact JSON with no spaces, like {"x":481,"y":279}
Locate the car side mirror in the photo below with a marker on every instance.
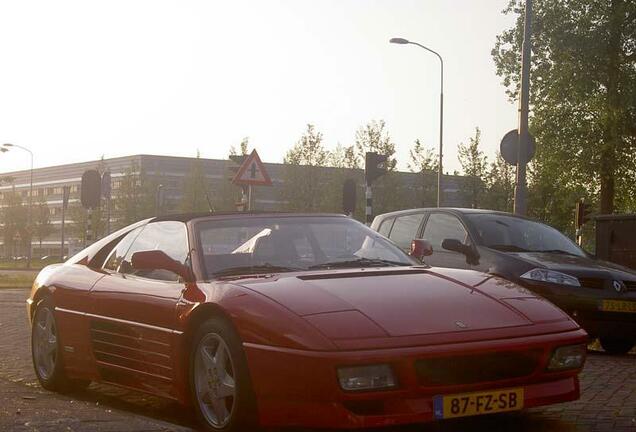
{"x":455,"y":245}
{"x":158,"y":260}
{"x":420,"y":248}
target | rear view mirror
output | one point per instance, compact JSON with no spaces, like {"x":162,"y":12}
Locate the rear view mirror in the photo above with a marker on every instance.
{"x":455,"y":245}
{"x":158,"y":260}
{"x":420,"y":248}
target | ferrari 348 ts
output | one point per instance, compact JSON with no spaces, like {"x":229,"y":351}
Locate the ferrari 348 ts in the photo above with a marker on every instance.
{"x":303,"y":320}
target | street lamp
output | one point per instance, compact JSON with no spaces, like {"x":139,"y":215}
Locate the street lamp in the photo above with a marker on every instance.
{"x":5,"y":148}
{"x":401,"y":41}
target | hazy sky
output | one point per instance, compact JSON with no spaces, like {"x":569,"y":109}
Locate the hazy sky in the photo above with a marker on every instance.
{"x":81,"y":79}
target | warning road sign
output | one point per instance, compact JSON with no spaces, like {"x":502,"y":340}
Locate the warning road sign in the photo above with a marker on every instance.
{"x":252,"y":172}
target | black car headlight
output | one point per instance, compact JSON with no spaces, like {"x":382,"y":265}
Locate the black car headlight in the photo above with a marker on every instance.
{"x":361,"y":378}
{"x":567,"y":357}
{"x":551,"y":276}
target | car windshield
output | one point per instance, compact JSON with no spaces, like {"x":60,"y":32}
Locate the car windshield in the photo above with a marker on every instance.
{"x":513,"y":234}
{"x":248,"y":245}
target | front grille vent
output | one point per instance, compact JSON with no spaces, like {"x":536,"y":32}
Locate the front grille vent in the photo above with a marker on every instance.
{"x":470,"y":369}
{"x":592,"y":283}
{"x":630,"y":285}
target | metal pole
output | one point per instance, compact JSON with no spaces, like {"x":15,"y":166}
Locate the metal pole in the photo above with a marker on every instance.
{"x":63,"y":221}
{"x":108,"y":216}
{"x":524,"y":102}
{"x":440,"y":170}
{"x":30,"y":212}
{"x":249,"y":197}
{"x":369,"y":206}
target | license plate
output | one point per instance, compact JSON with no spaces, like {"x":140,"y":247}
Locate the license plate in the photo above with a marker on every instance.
{"x":470,"y":404}
{"x":618,"y":306}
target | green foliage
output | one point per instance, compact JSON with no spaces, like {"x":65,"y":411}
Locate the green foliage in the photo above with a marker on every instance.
{"x":135,"y":198}
{"x":474,"y":164}
{"x":196,"y":195}
{"x":305,"y":181}
{"x":373,"y":137}
{"x":583,"y":96}
{"x":422,"y":160}
{"x":77,"y":222}
{"x":500,"y":186}
{"x":243,"y":148}
{"x":14,"y":219}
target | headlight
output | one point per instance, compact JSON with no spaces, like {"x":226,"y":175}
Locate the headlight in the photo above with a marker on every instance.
{"x":567,"y":357}
{"x":359,"y":378}
{"x":555,"y":277}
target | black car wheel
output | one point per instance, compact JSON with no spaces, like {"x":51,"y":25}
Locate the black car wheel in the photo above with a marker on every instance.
{"x":616,"y":346}
{"x":219,"y":379}
{"x":46,"y":353}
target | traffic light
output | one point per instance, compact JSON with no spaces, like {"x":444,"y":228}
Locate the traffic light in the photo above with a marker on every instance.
{"x":91,"y":190}
{"x":374,"y":166}
{"x":582,"y":214}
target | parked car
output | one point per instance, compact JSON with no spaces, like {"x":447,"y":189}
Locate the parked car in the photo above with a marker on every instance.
{"x":296,"y":320}
{"x":601,"y":296}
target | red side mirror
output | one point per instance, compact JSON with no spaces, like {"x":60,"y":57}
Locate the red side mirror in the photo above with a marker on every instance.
{"x":158,"y":260}
{"x":420,"y":248}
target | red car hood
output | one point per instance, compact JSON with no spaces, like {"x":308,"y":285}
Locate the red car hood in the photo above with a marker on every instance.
{"x":397,"y":302}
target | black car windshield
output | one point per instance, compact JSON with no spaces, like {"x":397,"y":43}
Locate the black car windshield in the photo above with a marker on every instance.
{"x":513,"y":234}
{"x":248,"y":245}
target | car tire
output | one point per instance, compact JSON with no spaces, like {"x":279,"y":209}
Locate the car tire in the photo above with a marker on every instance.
{"x":46,"y":351}
{"x":220,"y":384}
{"x":616,"y":346}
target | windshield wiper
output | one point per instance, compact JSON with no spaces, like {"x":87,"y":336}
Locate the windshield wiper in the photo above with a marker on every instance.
{"x":557,"y":251}
{"x":263,"y":268}
{"x":508,"y":248}
{"x":360,"y":262}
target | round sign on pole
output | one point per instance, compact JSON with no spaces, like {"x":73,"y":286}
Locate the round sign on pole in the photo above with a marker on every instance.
{"x":509,"y":147}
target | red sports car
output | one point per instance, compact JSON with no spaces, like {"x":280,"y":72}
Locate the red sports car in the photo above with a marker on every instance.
{"x":306,"y":320}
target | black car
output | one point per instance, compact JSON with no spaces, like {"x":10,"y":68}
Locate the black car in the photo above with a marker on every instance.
{"x":600,"y":295}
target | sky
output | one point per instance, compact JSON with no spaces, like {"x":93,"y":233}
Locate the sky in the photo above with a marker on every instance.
{"x":82,"y":79}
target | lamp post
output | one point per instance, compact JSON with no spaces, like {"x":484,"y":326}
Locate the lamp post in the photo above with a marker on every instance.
{"x":401,"y":41}
{"x":6,"y":147}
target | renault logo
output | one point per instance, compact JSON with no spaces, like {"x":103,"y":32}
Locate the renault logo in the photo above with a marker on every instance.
{"x":618,"y":285}
{"x":460,"y":324}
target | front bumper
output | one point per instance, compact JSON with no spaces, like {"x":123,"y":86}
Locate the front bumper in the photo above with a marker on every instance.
{"x":300,"y":388}
{"x":584,"y":306}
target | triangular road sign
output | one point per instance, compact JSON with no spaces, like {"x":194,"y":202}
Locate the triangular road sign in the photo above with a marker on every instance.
{"x":252,"y":172}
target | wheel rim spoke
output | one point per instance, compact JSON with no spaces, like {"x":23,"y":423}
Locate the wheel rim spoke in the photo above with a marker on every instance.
{"x":45,"y":343}
{"x":215,"y":385}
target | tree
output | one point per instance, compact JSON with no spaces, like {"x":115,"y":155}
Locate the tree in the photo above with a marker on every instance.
{"x":583,"y":93}
{"x":243,"y":148}
{"x":42,"y":226}
{"x":474,"y":165}
{"x":14,"y":219}
{"x":423,"y":161}
{"x":344,"y":157}
{"x":373,"y":137}
{"x":500,"y":185}
{"x":196,"y":197}
{"x":135,"y":197}
{"x":305,"y":182}
{"x":77,"y":222}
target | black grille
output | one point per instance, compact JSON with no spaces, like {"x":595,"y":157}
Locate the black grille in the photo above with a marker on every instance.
{"x":630,"y":285}
{"x":587,"y":282}
{"x":472,"y":369}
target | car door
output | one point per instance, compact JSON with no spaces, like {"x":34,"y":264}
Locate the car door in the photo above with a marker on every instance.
{"x":440,"y":226}
{"x":406,"y":228}
{"x":132,"y":327}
